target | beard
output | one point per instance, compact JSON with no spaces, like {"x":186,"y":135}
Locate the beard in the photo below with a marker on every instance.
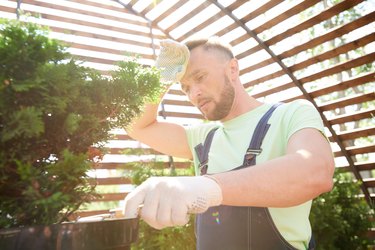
{"x":224,"y":105}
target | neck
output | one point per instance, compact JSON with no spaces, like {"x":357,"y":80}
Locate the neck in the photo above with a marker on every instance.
{"x":242,"y":103}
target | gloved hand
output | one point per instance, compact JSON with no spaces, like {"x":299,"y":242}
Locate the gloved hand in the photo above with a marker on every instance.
{"x":172,"y":60}
{"x":167,"y":201}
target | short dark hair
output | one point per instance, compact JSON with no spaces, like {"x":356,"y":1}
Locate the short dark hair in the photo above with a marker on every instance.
{"x":211,"y":43}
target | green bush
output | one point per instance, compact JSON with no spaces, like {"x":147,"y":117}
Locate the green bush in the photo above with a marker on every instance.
{"x":52,"y":111}
{"x":340,"y":219}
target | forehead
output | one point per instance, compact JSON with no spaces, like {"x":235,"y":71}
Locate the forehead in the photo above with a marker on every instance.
{"x":201,"y":60}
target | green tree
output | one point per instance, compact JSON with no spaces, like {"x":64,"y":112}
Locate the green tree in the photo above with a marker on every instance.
{"x":52,"y":111}
{"x":340,"y":218}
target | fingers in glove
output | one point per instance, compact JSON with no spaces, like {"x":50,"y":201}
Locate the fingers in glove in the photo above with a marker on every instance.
{"x":133,"y":201}
{"x":179,"y":215}
{"x":164,"y":212}
{"x":150,"y":209}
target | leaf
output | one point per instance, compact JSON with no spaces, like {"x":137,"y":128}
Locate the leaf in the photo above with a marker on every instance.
{"x":26,"y":123}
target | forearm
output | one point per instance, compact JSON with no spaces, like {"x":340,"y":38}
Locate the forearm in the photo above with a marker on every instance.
{"x":144,"y":119}
{"x":286,"y":181}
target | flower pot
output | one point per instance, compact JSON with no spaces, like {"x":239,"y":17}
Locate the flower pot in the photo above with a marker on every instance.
{"x":111,"y":234}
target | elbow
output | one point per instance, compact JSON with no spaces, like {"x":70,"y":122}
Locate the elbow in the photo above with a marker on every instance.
{"x":324,"y":180}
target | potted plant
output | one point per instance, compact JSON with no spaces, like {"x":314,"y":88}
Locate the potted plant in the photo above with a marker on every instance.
{"x":52,"y":111}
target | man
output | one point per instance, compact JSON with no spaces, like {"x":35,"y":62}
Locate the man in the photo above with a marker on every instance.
{"x":246,"y":197}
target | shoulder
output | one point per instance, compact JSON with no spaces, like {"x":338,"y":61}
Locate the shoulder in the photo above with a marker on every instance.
{"x":297,"y":108}
{"x":297,"y":115}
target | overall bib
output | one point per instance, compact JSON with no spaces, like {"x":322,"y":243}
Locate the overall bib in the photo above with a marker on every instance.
{"x":234,"y":227}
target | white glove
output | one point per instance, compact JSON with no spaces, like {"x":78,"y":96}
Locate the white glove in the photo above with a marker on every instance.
{"x":172,"y":60}
{"x":167,"y":201}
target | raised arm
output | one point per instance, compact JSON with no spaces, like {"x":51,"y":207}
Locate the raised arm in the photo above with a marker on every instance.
{"x":167,"y":138}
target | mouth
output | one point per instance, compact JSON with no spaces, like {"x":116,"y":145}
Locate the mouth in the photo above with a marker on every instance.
{"x":203,"y":104}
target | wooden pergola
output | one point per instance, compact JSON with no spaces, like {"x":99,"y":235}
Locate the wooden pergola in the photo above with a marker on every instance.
{"x":286,"y":49}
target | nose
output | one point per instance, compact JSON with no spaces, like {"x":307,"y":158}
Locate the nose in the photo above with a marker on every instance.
{"x":194,"y":93}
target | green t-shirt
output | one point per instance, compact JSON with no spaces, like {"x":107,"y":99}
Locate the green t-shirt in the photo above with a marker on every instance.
{"x":232,"y":139}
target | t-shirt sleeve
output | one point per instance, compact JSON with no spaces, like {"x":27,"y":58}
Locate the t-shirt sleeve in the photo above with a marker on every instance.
{"x":302,"y":114}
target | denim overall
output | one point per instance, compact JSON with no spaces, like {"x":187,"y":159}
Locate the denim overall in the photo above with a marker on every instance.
{"x":234,"y":227}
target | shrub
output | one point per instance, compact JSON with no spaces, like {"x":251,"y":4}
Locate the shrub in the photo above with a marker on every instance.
{"x":52,"y":111}
{"x":340,"y":219}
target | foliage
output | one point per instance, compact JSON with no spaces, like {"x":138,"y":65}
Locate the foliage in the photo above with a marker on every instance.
{"x":52,"y":111}
{"x":340,"y":219}
{"x":168,"y":238}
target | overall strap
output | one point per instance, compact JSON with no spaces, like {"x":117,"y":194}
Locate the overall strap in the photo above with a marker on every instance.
{"x":253,"y":149}
{"x":202,"y":151}
{"x":260,"y":132}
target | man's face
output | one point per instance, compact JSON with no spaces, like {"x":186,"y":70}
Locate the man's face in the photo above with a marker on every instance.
{"x":207,"y":85}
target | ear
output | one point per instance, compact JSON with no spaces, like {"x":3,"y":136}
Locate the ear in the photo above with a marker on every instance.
{"x":234,"y":69}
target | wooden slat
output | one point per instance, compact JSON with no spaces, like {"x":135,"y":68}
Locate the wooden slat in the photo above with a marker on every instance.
{"x":319,"y":58}
{"x":129,"y":166}
{"x":110,"y":197}
{"x":259,"y":11}
{"x":369,"y":58}
{"x":135,"y":151}
{"x":121,"y":137}
{"x":202,"y":25}
{"x":369,"y":182}
{"x":330,"y":35}
{"x":326,"y":72}
{"x":231,"y":8}
{"x":357,"y":133}
{"x":110,"y":181}
{"x":346,"y":101}
{"x":108,"y":50}
{"x":168,"y":12}
{"x":7,"y":9}
{"x":87,"y":23}
{"x":321,"y":16}
{"x":177,"y":103}
{"x":270,"y":76}
{"x":357,"y":150}
{"x":355,"y":116}
{"x":181,"y":115}
{"x":350,"y":83}
{"x":86,"y":213}
{"x":334,"y":52}
{"x":188,"y":16}
{"x":176,"y":92}
{"x":336,"y":32}
{"x":118,"y":8}
{"x":294,"y":10}
{"x":361,"y":166}
{"x":103,"y":36}
{"x":87,"y":11}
